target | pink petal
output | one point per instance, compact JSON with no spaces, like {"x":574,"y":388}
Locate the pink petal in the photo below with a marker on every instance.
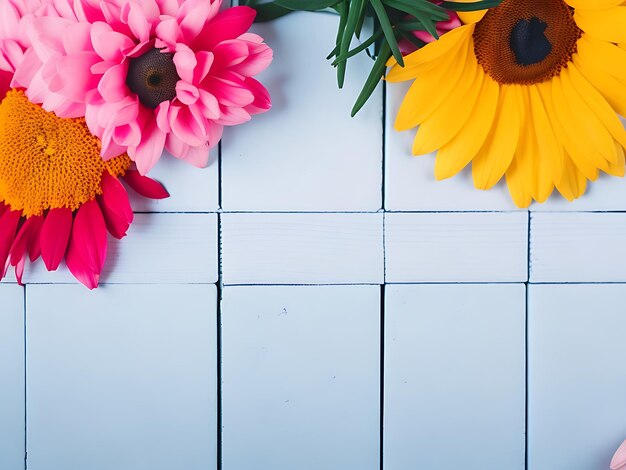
{"x":149,"y":150}
{"x":75,"y":79}
{"x":34,"y":249}
{"x":54,"y":237}
{"x":185,"y":61}
{"x":619,"y":459}
{"x":168,"y":33}
{"x":193,"y":16}
{"x":187,"y":93}
{"x":188,"y":126}
{"x":19,"y":249}
{"x":112,"y":86}
{"x":77,"y":38}
{"x":144,"y":186}
{"x":89,"y":235}
{"x":109,"y":44}
{"x":262,"y":101}
{"x":259,"y":58}
{"x":137,"y":21}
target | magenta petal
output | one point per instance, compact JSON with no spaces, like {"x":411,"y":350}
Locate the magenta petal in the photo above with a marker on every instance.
{"x":8,"y":226}
{"x":115,"y":223}
{"x":22,"y":241}
{"x":619,"y":459}
{"x":115,"y":197}
{"x":34,"y":248}
{"x":228,"y":24}
{"x":148,"y":152}
{"x":144,"y":186}
{"x":89,"y":235}
{"x":55,"y":234}
{"x":79,"y":268}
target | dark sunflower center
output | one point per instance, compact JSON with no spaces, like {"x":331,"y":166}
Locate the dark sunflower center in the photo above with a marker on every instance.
{"x":526,"y":41}
{"x":153,"y":77}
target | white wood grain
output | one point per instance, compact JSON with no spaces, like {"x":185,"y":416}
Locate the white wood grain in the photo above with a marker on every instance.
{"x":307,"y":154}
{"x":578,"y":247}
{"x":191,"y":189}
{"x":300,"y":371}
{"x":159,"y":248}
{"x":302,"y":248}
{"x":577,"y":375}
{"x":11,"y":377}
{"x":456,"y":247}
{"x":454,"y":377}
{"x":122,"y":378}
{"x":410,"y":183}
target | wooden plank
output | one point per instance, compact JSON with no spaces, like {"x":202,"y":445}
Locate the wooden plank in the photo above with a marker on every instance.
{"x":410,"y":183}
{"x":300,"y":371}
{"x":454,"y":377}
{"x":456,"y":247}
{"x":577,"y":375}
{"x":307,"y":154}
{"x":122,"y":378}
{"x":12,"y":377}
{"x":302,"y":248}
{"x":578,"y":247}
{"x":160,"y":248}
{"x":191,"y":189}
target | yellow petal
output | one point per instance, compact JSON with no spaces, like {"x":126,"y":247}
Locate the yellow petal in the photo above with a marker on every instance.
{"x":593,"y":4}
{"x":496,"y":154}
{"x":597,"y":103}
{"x":610,"y":87}
{"x":429,"y":55}
{"x":603,"y":55}
{"x":456,"y":154}
{"x":563,"y":136}
{"x":548,"y":152}
{"x":582,"y":125}
{"x":430,"y":89}
{"x":446,"y":121}
{"x":573,"y":184}
{"x":606,"y":24}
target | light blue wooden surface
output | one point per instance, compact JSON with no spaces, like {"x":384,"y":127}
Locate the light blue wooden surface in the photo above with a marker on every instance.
{"x":577,"y":375}
{"x":12,"y":422}
{"x":454,"y":377}
{"x":123,"y":378}
{"x":300,"y":377}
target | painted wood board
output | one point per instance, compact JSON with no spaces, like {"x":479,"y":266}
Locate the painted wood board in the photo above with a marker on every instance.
{"x":454,"y":377}
{"x":122,"y":378}
{"x":577,"y":375}
{"x":12,"y":377}
{"x":578,"y":247}
{"x":456,"y":247}
{"x":191,"y":189}
{"x":310,"y":155}
{"x":302,"y":248}
{"x":159,"y":248}
{"x":300,"y":377}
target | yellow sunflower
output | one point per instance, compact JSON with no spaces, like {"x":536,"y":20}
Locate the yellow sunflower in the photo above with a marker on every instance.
{"x":530,"y":89}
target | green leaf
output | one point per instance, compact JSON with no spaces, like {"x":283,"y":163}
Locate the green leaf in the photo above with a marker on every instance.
{"x":481,"y":5}
{"x":390,"y":35}
{"x":306,"y":5}
{"x":355,"y":10}
{"x":377,"y":73}
{"x":269,"y":12}
{"x":361,"y":47}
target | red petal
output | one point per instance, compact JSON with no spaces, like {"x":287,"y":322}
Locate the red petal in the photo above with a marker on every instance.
{"x":116,"y":224}
{"x":8,"y":226}
{"x":115,"y":197}
{"x":20,"y":246}
{"x":55,"y":234}
{"x":34,"y":248}
{"x":146,"y":187}
{"x":79,"y":268}
{"x":89,"y":235}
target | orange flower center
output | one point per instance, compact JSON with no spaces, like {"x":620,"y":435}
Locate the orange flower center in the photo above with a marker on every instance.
{"x":526,"y":41}
{"x":47,"y":162}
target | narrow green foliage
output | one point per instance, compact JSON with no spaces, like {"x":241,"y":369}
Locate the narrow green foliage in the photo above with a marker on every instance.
{"x":385,"y":23}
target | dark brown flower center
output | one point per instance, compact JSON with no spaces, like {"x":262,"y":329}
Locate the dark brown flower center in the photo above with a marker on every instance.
{"x":526,"y":41}
{"x":153,"y":77}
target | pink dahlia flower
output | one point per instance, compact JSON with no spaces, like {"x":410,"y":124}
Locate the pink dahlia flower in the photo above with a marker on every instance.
{"x":619,"y":459}
{"x":148,"y":74}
